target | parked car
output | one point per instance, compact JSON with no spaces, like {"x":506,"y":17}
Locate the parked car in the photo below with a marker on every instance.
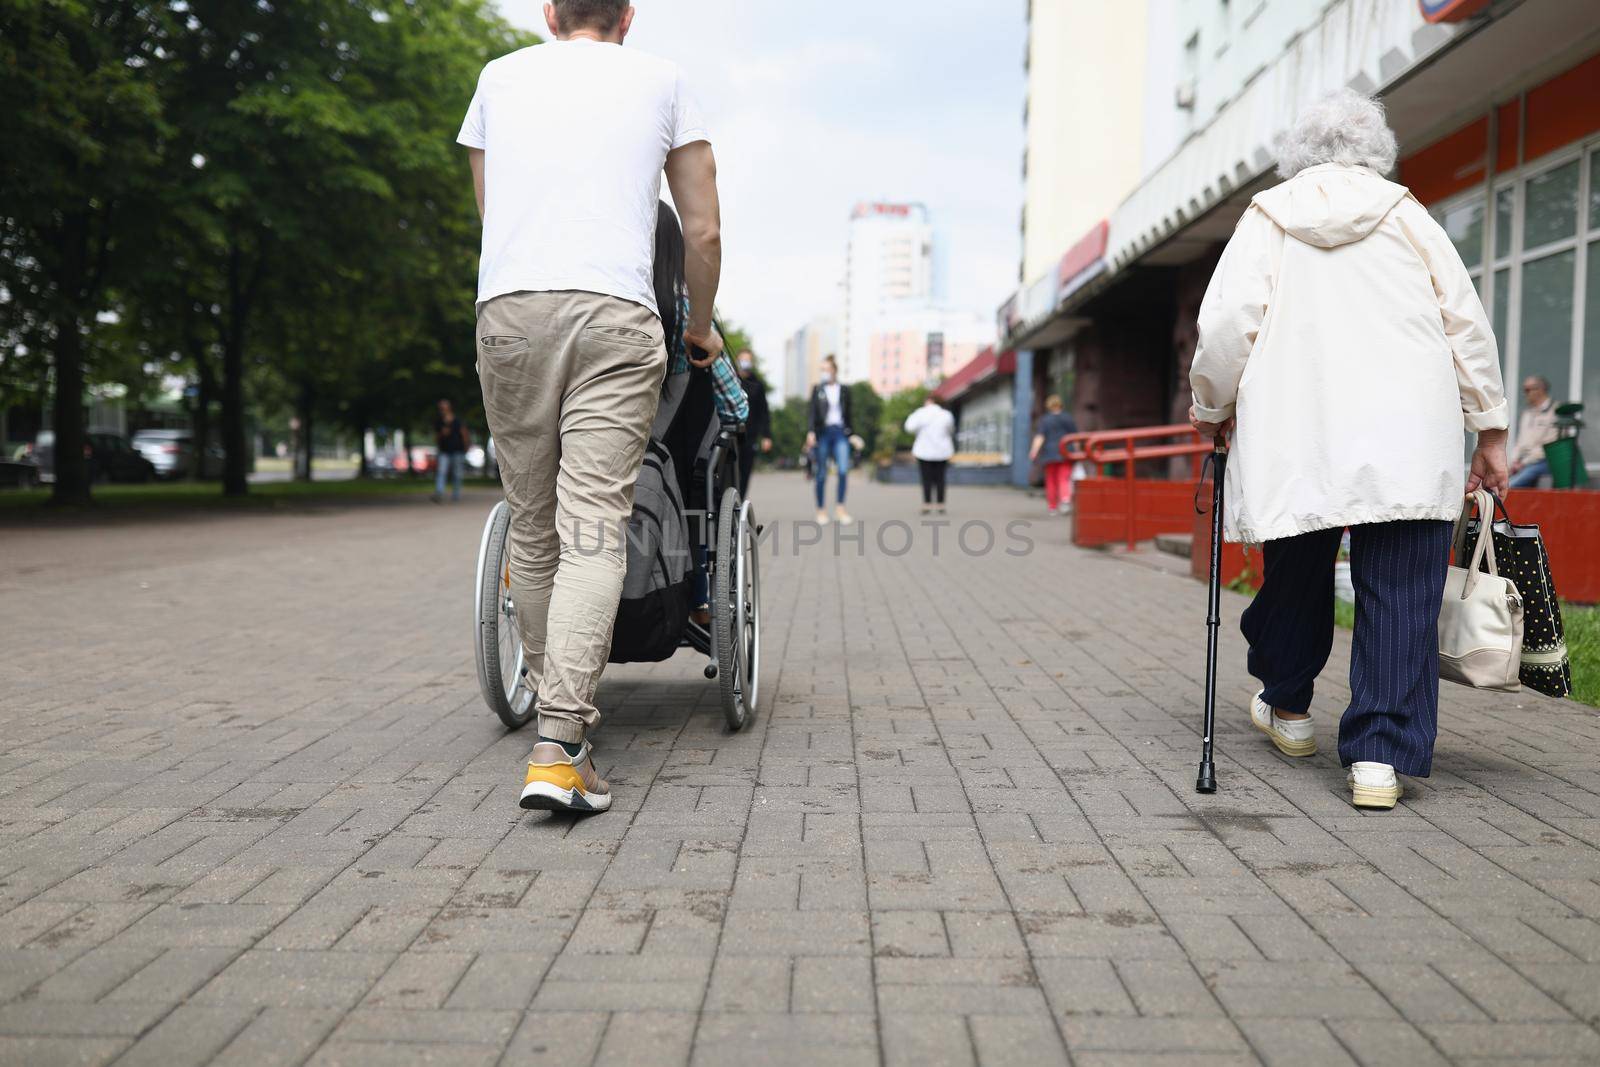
{"x":42,"y":453}
{"x":172,"y":453}
{"x":419,"y":460}
{"x":19,"y":473}
{"x":111,"y":458}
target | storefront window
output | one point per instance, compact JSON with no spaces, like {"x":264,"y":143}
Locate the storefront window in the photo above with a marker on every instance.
{"x":1502,"y":313}
{"x":1545,"y":339}
{"x":1594,"y":192}
{"x":1591,"y":352}
{"x":1504,"y":202}
{"x":1545,"y":276}
{"x":1552,"y":207}
{"x":1464,"y":224}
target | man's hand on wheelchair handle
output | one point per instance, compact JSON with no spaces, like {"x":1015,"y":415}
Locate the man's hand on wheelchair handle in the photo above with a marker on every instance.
{"x":709,"y":342}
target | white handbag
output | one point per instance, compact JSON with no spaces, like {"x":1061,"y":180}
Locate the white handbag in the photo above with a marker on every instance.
{"x":1480,"y":621}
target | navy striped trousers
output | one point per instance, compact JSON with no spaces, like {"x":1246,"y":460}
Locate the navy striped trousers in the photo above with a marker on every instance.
{"x":1398,"y":569}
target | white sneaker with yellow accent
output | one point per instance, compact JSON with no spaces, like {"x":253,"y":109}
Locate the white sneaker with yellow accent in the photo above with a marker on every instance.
{"x":1292,"y":736}
{"x":1373,"y":785}
{"x":841,"y":516}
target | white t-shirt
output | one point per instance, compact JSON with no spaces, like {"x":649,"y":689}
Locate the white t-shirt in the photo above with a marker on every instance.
{"x":936,"y":433}
{"x":835,"y":405}
{"x":575,"y":135}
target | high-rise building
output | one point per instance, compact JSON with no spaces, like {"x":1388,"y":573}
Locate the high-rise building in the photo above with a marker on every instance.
{"x":920,"y":346}
{"x":890,"y":264}
{"x":803,"y":352}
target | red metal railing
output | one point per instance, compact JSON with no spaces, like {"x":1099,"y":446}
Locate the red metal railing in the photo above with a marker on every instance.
{"x":1127,"y":447}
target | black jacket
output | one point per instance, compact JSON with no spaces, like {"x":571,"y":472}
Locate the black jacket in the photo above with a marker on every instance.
{"x":817,"y":415}
{"x":759,"y":424}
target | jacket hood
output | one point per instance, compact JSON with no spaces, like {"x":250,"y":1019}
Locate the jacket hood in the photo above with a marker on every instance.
{"x":1331,"y":205}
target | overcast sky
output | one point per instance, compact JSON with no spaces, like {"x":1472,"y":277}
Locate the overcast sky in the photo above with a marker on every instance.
{"x":814,"y":107}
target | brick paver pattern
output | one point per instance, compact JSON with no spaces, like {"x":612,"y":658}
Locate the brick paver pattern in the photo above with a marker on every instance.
{"x":253,"y":811}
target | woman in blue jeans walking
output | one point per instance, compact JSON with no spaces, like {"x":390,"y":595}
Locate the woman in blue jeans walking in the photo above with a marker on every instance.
{"x":828,"y":438}
{"x":1343,"y":338}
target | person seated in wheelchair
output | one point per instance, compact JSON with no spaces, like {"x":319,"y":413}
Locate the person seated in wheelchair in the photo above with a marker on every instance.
{"x":683,"y":424}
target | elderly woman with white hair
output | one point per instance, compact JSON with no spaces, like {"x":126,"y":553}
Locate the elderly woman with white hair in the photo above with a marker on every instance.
{"x":1344,"y":349}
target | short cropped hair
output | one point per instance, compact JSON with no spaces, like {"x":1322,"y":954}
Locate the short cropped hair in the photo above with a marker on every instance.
{"x":602,"y":15}
{"x":1053,"y":402}
{"x":1343,"y":127}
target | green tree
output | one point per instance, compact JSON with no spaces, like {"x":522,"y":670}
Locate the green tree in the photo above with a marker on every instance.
{"x":327,"y":213}
{"x":866,"y":415}
{"x":789,"y":430}
{"x":81,"y":134}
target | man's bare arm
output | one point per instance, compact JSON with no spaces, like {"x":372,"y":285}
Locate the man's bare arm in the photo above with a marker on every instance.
{"x":475,"y":157}
{"x":692,"y":176}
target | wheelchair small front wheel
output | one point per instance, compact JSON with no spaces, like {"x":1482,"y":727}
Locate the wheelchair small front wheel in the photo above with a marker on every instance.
{"x":498,"y":645}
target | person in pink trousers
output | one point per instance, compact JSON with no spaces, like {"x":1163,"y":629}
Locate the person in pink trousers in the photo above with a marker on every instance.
{"x":1055,"y":425}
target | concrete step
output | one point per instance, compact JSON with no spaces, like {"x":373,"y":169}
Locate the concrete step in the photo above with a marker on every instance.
{"x":1176,"y":544}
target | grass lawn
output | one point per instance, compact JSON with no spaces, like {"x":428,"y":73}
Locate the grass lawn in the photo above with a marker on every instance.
{"x":1582,"y":627}
{"x":1583,"y":645}
{"x":177,"y":496}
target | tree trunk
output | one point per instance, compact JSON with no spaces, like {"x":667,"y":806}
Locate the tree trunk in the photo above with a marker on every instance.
{"x":206,"y":387}
{"x":72,"y":472}
{"x":303,"y":455}
{"x":235,"y":462}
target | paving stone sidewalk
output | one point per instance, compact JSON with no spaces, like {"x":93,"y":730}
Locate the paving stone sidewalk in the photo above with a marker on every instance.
{"x":252,"y":811}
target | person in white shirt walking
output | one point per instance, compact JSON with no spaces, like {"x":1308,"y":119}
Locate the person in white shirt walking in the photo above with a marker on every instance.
{"x":828,"y":437}
{"x":568,"y":141}
{"x":935,"y":443}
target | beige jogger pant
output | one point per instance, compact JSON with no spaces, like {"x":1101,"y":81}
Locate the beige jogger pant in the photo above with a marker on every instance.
{"x":571,"y":382}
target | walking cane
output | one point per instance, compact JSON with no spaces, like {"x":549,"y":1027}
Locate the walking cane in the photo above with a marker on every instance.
{"x":1207,"y":780}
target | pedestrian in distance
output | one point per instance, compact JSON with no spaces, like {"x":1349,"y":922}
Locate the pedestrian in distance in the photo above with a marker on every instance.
{"x":828,"y":438}
{"x":452,"y":439}
{"x":1368,"y":352}
{"x":932,"y":447}
{"x":568,"y":141}
{"x":1536,"y":427}
{"x":758,"y":432}
{"x":1055,"y":425}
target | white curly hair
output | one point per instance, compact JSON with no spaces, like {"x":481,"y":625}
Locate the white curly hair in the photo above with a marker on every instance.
{"x":1343,"y":127}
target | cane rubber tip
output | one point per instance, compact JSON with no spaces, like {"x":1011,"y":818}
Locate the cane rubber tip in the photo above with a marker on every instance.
{"x":711,"y":671}
{"x":1207,"y":781}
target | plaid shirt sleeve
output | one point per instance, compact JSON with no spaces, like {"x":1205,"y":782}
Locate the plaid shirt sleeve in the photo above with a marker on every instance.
{"x":732,"y":404}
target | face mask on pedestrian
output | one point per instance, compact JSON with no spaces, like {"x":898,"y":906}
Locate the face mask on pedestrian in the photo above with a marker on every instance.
{"x":827,"y":377}
{"x":746,"y":366}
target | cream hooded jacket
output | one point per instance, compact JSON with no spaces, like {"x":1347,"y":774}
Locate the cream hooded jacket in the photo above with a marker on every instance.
{"x":1343,"y":332}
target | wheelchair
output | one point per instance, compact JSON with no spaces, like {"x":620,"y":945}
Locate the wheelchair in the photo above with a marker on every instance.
{"x":724,"y":529}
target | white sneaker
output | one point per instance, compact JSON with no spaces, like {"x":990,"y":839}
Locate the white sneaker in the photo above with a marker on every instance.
{"x":1373,"y":785}
{"x":841,"y":516}
{"x":822,"y":517}
{"x":1292,"y":736}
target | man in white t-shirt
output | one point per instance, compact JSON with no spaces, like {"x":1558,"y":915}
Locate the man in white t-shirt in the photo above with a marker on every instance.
{"x":568,"y":143}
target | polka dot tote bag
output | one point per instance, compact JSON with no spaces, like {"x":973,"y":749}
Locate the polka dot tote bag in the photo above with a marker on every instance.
{"x":1522,"y":558}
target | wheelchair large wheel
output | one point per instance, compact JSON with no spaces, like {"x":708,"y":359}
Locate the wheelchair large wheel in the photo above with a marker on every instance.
{"x":499,"y":642}
{"x":736,"y":610}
